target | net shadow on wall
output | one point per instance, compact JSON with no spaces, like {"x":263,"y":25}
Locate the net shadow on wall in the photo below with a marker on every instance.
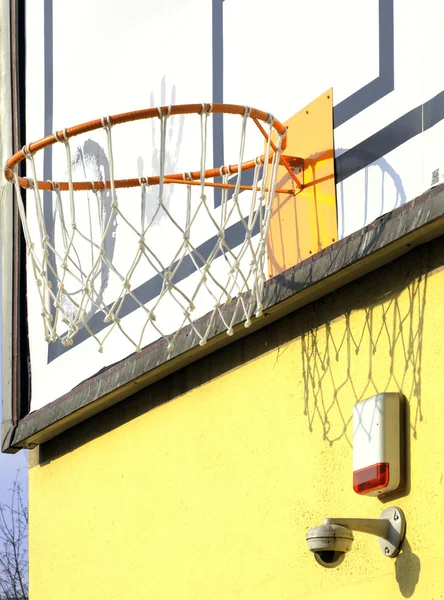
{"x":373,"y":345}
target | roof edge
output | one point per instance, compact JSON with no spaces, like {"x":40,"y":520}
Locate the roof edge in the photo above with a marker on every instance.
{"x":386,"y":239}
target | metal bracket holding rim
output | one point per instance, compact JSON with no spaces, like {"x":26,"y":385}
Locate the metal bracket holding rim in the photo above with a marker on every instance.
{"x":295,"y":164}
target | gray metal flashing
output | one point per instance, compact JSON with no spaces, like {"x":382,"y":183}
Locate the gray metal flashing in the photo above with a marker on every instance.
{"x":6,"y":225}
{"x":7,"y":433}
{"x":379,"y":243}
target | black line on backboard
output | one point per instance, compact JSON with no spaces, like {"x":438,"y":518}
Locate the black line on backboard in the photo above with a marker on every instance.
{"x":400,"y":131}
{"x":384,"y":83}
{"x":218,"y":80}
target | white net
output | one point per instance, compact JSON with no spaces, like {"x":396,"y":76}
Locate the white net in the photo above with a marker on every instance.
{"x":73,"y":261}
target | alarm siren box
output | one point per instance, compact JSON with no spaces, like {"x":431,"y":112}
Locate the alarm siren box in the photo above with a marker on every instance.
{"x":378,"y":445}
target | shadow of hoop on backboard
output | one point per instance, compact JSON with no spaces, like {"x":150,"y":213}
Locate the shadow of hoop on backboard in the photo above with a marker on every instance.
{"x":381,"y":176}
{"x":174,"y":136}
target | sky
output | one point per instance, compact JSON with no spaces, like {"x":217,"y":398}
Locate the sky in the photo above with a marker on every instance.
{"x":10,"y":466}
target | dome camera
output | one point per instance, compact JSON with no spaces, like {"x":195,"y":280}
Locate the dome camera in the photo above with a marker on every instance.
{"x":331,"y":541}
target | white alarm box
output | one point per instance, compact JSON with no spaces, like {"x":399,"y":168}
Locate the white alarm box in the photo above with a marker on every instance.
{"x":378,"y":445}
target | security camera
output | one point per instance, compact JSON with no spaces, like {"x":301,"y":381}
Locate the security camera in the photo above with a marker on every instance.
{"x":331,"y":541}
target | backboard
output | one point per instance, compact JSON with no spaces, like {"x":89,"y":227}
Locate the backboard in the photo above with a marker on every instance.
{"x":337,"y":74}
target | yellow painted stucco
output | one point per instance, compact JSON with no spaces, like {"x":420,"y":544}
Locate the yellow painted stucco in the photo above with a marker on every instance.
{"x":209,"y":496}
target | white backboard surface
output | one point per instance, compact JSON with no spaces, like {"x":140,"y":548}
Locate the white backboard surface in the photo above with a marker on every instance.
{"x":87,"y":59}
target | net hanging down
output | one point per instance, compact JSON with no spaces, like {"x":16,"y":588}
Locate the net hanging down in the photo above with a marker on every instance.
{"x":71,"y":245}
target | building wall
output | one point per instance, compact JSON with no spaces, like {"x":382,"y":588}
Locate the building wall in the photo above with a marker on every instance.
{"x":204,"y":485}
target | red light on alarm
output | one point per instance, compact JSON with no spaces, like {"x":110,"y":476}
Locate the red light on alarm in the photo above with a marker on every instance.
{"x":371,"y":478}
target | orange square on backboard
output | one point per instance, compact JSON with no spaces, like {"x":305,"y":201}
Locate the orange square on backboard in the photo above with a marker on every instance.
{"x":303,"y":224}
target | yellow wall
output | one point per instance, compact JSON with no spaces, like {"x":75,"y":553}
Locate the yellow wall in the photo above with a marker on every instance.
{"x":210,"y":495}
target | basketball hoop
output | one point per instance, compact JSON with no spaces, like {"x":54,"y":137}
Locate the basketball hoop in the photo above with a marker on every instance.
{"x":67,"y":287}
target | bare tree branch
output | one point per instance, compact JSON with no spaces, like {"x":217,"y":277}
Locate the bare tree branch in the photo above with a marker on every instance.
{"x":14,"y":545}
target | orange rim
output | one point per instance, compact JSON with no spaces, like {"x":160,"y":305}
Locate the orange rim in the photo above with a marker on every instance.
{"x":148,"y":113}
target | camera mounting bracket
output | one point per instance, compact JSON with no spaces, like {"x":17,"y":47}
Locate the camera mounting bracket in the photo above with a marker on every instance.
{"x":389,"y":528}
